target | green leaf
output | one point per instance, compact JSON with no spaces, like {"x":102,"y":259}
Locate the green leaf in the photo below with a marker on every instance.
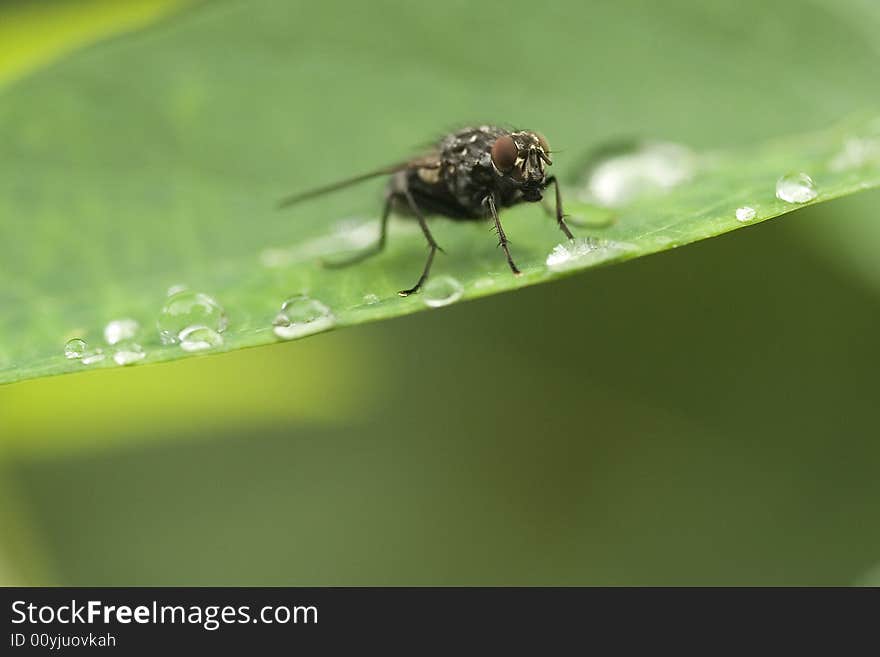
{"x":156,"y":159}
{"x":35,"y":33}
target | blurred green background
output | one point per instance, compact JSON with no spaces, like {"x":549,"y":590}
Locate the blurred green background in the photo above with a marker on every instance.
{"x":704,"y":416}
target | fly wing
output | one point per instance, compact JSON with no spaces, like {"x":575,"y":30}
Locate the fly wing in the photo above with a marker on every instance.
{"x":426,"y":162}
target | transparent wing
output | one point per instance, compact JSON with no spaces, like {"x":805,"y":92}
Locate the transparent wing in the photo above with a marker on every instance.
{"x":428,"y":162}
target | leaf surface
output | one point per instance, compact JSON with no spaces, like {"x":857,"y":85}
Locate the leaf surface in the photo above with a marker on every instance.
{"x":156,"y":159}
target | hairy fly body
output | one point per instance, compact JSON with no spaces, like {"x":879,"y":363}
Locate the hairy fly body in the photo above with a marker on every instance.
{"x":469,"y":175}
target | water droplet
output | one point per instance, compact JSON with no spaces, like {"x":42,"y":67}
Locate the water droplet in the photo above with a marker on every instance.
{"x":370,"y":299}
{"x":441,"y":291}
{"x":120,"y":329}
{"x":622,"y":174}
{"x":74,"y":349}
{"x":130,"y":353}
{"x":796,"y":188}
{"x":96,"y":355}
{"x":302,"y":315}
{"x":199,"y":338}
{"x":745,"y":214}
{"x":176,"y":289}
{"x":581,"y":252}
{"x":188,"y":308}
{"x":856,"y":153}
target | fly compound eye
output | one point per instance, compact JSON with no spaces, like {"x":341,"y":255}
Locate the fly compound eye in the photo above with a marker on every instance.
{"x":504,"y":153}
{"x":542,"y":142}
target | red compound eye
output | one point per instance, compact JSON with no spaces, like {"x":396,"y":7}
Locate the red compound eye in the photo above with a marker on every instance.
{"x":542,"y":142}
{"x":504,"y":153}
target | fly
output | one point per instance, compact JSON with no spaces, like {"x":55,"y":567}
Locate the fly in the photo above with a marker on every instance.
{"x":468,"y":175}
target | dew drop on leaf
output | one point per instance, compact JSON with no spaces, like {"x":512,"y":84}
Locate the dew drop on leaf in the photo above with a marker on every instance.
{"x":301,"y":315}
{"x":120,"y":330}
{"x":584,"y":251}
{"x":623,"y":174}
{"x":74,"y":349}
{"x":188,"y":308}
{"x":745,"y":214}
{"x":90,"y":357}
{"x":796,"y":188}
{"x":856,"y":153}
{"x":441,"y":291}
{"x":199,"y":338}
{"x":129,"y":354}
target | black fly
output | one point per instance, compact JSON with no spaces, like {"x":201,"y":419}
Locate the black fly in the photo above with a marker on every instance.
{"x":468,"y":175}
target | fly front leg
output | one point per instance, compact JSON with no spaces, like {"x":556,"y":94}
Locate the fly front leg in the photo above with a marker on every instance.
{"x":568,"y":219}
{"x":560,"y":215}
{"x":489,"y":201}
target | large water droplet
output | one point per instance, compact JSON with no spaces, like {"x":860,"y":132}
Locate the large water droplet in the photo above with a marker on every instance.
{"x":188,"y":308}
{"x":199,"y":338}
{"x":745,"y":214}
{"x":856,"y":153}
{"x":92,"y":356}
{"x":583,"y":251}
{"x":130,"y":353}
{"x":120,"y":330}
{"x":74,"y":349}
{"x":302,"y":315}
{"x":796,"y":188}
{"x":441,"y":291}
{"x":623,"y":174}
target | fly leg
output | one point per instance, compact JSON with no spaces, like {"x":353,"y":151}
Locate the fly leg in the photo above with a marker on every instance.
{"x":432,"y":245}
{"x":502,"y":238}
{"x":561,"y":217}
{"x":377,"y":247}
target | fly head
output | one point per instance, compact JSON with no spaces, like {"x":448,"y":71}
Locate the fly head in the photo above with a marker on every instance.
{"x":520,"y":158}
